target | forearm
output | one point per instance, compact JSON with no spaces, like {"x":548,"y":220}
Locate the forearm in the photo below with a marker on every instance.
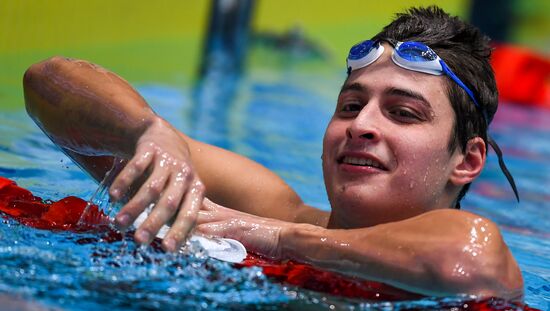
{"x":85,"y":108}
{"x":438,"y":253}
{"x":237,"y":182}
{"x":433,"y":254}
{"x":91,"y":112}
{"x":361,"y":253}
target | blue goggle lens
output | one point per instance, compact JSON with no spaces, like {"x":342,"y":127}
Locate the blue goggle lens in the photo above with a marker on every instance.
{"x":362,"y":49}
{"x":416,"y":52}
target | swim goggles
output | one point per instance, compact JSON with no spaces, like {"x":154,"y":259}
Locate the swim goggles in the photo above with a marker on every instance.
{"x":417,"y":56}
{"x":412,"y":55}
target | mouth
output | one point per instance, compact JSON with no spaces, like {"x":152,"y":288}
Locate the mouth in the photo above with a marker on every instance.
{"x":362,"y":161}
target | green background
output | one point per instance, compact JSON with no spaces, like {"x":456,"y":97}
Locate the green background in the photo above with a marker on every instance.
{"x":161,"y":42}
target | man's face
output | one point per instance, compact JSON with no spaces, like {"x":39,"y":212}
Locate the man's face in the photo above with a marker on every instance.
{"x":385,"y":150}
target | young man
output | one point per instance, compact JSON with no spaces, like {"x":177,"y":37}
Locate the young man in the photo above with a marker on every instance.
{"x":408,"y":136}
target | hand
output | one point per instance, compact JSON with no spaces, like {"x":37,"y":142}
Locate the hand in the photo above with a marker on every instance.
{"x":162,"y":160}
{"x":258,"y":234}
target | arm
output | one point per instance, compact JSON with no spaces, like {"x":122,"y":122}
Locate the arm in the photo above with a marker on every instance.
{"x":239,"y":183}
{"x":94,"y":115}
{"x":439,"y":253}
{"x":85,"y":108}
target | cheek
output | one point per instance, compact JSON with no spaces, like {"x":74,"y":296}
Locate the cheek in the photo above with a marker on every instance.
{"x":334,"y":136}
{"x":334,"y":133}
{"x":326,"y":144}
{"x":424,"y":163}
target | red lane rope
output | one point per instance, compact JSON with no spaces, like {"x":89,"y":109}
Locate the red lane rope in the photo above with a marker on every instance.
{"x":64,"y":215}
{"x":522,"y":76}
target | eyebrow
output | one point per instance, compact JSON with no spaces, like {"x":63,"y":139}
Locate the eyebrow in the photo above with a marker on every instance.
{"x":353,"y":87}
{"x":410,"y":94}
{"x":393,"y":91}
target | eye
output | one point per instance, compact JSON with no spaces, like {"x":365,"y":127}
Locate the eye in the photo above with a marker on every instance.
{"x":405,"y":114}
{"x":351,"y":107}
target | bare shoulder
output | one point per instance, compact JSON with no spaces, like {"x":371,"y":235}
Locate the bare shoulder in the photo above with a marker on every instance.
{"x":462,"y":223}
{"x":476,"y":254}
{"x":454,"y":215}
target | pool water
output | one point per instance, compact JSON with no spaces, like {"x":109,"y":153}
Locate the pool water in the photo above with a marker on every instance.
{"x":276,"y":118}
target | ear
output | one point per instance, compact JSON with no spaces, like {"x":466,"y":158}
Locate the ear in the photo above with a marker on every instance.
{"x":470,"y":163}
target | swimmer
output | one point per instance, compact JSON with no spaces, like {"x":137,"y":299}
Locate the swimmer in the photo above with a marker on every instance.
{"x":407,"y":138}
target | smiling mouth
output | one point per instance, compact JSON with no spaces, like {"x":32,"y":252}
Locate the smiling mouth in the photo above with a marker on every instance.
{"x":356,"y":161}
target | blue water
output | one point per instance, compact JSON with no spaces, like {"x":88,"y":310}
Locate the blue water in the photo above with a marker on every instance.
{"x":277,"y":119}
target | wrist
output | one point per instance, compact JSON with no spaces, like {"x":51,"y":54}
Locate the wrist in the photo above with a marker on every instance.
{"x":152,"y":124}
{"x":130,"y":140}
{"x":301,"y":242}
{"x":155,"y":130}
{"x":148,"y":127}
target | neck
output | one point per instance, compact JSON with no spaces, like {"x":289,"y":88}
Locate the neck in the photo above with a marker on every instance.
{"x":334,"y":222}
{"x":342,"y":218}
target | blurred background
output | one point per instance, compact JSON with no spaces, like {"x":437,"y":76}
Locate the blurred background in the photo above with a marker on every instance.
{"x":259,"y":78}
{"x":163,"y":41}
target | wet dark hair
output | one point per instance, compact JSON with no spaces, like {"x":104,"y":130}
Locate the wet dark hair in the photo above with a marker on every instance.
{"x":467,"y":52}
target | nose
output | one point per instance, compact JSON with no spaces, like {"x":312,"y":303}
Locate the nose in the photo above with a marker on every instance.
{"x":365,"y":125}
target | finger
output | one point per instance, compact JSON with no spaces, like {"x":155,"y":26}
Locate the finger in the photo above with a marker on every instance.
{"x":166,"y":207}
{"x":206,"y":217}
{"x":208,"y":205}
{"x":212,"y":212}
{"x":218,"y":213}
{"x":148,"y":193}
{"x":260,"y":239}
{"x":186,"y":218}
{"x":130,"y":173}
{"x":228,"y":228}
{"x":214,"y":229}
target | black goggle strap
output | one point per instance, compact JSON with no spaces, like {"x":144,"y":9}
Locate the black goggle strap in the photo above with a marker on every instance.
{"x":496,"y":148}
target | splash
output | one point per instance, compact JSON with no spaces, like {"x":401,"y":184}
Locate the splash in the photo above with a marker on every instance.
{"x":100,"y":198}
{"x":77,"y":215}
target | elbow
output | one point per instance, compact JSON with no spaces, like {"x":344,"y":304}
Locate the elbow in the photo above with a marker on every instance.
{"x":34,"y":84}
{"x":30,"y":81}
{"x":43,"y":86}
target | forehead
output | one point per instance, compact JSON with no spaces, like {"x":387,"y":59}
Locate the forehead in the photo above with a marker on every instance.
{"x":384,"y":74}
